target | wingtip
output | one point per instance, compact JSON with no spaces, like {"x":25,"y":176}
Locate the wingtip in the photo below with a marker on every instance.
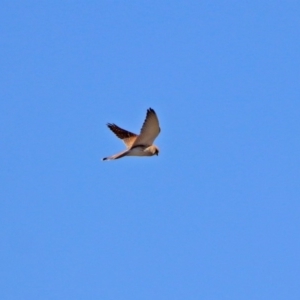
{"x":150,"y":110}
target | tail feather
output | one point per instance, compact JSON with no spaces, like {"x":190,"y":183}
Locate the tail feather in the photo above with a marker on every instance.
{"x":116,"y":156}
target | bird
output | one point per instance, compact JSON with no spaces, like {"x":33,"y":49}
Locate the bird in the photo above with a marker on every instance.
{"x":138,"y":145}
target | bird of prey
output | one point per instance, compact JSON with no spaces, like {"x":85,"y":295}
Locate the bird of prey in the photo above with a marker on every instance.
{"x":138,"y":145}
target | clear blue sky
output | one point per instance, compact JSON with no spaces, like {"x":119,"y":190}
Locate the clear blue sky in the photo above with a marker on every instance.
{"x":215,"y":215}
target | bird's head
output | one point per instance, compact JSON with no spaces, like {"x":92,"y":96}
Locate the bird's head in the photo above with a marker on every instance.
{"x":155,"y":150}
{"x":152,"y":150}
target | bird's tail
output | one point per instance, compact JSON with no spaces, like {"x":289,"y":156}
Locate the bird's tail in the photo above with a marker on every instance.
{"x":116,"y":156}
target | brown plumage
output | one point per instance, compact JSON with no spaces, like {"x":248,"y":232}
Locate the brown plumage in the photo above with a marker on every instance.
{"x":126,"y":136}
{"x":138,"y":145}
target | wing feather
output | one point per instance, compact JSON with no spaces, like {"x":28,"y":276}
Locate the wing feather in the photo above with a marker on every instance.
{"x":150,"y":130}
{"x":126,"y":136}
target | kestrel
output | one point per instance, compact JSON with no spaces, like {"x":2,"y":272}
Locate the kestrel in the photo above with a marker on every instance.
{"x":138,"y":145}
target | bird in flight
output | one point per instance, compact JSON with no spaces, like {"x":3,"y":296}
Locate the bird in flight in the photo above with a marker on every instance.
{"x":138,"y":145}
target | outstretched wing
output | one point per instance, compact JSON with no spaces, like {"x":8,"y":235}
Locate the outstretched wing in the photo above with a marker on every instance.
{"x":149,"y":131}
{"x":126,"y":136}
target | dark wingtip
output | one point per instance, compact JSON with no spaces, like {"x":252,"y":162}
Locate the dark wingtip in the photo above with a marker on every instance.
{"x":150,"y":110}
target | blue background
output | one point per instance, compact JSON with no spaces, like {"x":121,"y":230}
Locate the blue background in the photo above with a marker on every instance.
{"x":215,"y":215}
